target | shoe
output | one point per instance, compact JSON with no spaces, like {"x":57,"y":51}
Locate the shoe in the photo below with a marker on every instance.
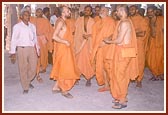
{"x":102,"y":89}
{"x":88,"y":83}
{"x":31,"y":86}
{"x":119,"y":106}
{"x":115,"y":101}
{"x":25,"y":91}
{"x":67,"y":95}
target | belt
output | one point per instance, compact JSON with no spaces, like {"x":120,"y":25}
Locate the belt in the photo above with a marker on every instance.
{"x":24,"y":46}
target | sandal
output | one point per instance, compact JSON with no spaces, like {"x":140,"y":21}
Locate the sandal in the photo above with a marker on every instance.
{"x":67,"y":95}
{"x":115,"y":101}
{"x":39,"y":79}
{"x":119,"y":106}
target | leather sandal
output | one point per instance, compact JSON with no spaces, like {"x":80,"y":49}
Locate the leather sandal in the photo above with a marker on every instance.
{"x":67,"y":95}
{"x":119,"y":106}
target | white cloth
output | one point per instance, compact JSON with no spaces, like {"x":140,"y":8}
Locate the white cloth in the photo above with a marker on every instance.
{"x":53,"y":19}
{"x":23,"y":35}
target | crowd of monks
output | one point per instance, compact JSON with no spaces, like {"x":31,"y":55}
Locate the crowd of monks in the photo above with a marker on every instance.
{"x":114,"y":48}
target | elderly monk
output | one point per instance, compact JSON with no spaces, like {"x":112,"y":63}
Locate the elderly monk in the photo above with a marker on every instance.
{"x":44,"y":37}
{"x":64,"y":68}
{"x":141,"y":27}
{"x":102,"y":29}
{"x":83,"y":44}
{"x":125,"y":65}
{"x":155,"y":53}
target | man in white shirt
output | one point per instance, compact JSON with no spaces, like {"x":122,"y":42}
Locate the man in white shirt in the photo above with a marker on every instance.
{"x":54,"y":17}
{"x":24,"y":40}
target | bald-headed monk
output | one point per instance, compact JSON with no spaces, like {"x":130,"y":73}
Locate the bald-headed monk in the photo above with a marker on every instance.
{"x":103,"y":29}
{"x":64,"y":70}
{"x":125,"y":66}
{"x":97,"y":12}
{"x":44,"y":36}
{"x":141,"y":29}
{"x":155,"y":53}
{"x":83,"y":44}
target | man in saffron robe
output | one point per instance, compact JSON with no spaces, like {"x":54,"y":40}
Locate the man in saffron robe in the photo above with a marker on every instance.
{"x":125,"y":65}
{"x":141,"y":26}
{"x":155,"y":53}
{"x":103,"y":29}
{"x":83,"y":44}
{"x":44,"y":37}
{"x":64,"y":70}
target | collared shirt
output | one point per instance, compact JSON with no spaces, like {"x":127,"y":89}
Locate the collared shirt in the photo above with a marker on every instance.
{"x":53,"y":19}
{"x":23,"y":35}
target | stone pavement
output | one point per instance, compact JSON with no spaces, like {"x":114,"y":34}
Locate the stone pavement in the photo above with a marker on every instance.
{"x":149,"y":98}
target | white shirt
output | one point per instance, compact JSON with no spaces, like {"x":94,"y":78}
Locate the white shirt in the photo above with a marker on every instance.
{"x":23,"y":35}
{"x":53,"y":19}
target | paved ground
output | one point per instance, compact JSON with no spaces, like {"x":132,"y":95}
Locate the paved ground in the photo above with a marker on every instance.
{"x":149,"y":98}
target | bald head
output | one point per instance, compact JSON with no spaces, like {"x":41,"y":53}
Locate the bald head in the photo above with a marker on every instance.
{"x":65,"y":11}
{"x":122,"y":11}
{"x":104,"y":12}
{"x":123,"y":8}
